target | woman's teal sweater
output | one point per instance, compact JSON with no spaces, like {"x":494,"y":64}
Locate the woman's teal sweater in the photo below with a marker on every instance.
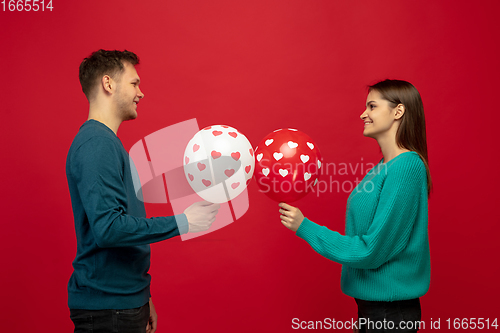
{"x":385,"y":251}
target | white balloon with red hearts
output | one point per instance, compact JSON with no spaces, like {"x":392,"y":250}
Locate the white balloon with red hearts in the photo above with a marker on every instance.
{"x":219,"y":163}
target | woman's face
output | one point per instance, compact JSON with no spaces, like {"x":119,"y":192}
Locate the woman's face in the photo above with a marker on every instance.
{"x":379,"y":117}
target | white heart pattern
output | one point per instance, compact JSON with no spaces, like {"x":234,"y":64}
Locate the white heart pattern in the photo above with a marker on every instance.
{"x":307,"y":176}
{"x":265,"y":171}
{"x":315,"y":182}
{"x":292,"y":144}
{"x":268,"y":142}
{"x":304,"y":158}
{"x":278,"y":156}
{"x":259,"y":156}
{"x":310,"y":145}
{"x":319,"y":164}
{"x":283,"y":172}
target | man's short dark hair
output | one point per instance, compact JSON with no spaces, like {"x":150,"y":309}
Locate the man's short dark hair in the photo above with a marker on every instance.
{"x":101,"y":63}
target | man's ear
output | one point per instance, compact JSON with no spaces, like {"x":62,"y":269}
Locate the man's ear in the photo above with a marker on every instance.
{"x":107,"y":84}
{"x":400,"y":111}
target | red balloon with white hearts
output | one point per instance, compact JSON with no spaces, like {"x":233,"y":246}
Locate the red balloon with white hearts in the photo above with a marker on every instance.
{"x":219,"y":163}
{"x":288,"y":164}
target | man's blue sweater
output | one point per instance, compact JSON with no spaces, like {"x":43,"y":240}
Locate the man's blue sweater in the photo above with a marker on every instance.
{"x":112,"y":231}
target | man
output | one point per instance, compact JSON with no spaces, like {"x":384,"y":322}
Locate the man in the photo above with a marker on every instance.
{"x":110,"y":285}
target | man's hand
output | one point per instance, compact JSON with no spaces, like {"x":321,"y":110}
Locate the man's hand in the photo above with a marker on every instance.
{"x":201,"y":215}
{"x":153,"y":318}
{"x":291,"y":217}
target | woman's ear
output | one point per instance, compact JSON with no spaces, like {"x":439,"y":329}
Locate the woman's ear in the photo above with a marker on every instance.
{"x":400,"y":111}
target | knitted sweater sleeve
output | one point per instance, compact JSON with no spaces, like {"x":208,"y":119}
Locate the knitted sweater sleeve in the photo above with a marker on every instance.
{"x":98,"y":172}
{"x":389,"y":230}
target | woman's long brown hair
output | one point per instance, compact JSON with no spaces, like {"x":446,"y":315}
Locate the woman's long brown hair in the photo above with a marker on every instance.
{"x":411,"y":132}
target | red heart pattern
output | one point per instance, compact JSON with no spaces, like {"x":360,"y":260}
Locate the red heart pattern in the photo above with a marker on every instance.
{"x":215,"y":154}
{"x":219,"y":143}
{"x":236,"y":156}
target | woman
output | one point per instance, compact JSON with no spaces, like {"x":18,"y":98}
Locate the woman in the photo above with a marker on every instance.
{"x":385,"y":251}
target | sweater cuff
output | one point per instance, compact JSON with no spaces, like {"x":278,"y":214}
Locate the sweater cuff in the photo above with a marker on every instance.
{"x":182,"y":223}
{"x":308,"y":230}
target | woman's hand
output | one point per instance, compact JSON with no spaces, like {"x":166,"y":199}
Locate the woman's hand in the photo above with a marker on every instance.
{"x":291,"y":217}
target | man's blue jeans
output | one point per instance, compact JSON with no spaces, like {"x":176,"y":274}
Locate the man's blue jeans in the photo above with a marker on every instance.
{"x":397,"y":316}
{"x":117,"y":321}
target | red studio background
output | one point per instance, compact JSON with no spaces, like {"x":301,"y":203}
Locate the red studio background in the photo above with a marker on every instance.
{"x":257,"y":66}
